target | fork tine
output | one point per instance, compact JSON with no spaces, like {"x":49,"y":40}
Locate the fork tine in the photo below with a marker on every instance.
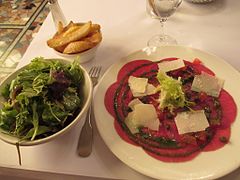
{"x":98,"y":71}
{"x":91,"y":70}
{"x":95,"y":71}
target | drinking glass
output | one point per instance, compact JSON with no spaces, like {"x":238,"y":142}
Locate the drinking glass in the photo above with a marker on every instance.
{"x":162,"y":9}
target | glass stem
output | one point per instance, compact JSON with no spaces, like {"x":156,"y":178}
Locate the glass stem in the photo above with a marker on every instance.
{"x":162,"y":30}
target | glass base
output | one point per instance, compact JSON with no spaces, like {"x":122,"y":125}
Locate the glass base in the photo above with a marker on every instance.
{"x":161,"y":40}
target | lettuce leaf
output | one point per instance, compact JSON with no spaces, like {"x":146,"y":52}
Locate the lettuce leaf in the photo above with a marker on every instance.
{"x":171,"y":93}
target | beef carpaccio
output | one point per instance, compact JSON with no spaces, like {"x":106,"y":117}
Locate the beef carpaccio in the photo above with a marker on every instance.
{"x":166,"y":143}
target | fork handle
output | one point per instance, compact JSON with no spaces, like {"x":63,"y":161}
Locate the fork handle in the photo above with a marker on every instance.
{"x":84,"y":147}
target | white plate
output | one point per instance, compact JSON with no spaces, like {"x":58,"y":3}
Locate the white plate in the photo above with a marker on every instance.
{"x":207,"y":165}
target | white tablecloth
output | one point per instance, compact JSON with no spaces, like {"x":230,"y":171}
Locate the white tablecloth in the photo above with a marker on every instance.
{"x":126,"y":28}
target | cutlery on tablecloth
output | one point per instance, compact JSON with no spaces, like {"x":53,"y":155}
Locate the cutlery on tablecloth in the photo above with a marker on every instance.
{"x":85,"y":141}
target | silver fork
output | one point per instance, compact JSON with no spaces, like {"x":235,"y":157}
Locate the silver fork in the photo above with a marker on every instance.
{"x":85,"y":141}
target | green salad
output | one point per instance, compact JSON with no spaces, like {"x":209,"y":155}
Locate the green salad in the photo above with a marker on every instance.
{"x":43,"y":99}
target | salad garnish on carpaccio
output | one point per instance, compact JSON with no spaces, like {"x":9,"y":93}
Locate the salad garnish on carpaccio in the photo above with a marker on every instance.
{"x":173,"y":108}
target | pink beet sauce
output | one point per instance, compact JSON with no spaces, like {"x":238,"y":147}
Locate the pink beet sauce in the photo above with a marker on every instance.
{"x":166,"y":144}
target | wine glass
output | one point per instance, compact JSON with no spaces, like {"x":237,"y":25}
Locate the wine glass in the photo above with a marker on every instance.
{"x":162,"y":9}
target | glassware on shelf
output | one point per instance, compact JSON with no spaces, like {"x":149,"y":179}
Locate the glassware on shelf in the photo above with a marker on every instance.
{"x":162,"y":10}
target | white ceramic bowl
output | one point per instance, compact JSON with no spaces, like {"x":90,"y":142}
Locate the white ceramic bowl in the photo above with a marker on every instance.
{"x":87,"y":91}
{"x":81,"y":57}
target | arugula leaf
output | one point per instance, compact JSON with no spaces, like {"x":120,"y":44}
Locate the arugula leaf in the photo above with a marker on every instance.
{"x":40,"y":64}
{"x":25,"y":96}
{"x":41,"y":130}
{"x":23,"y":122}
{"x":35,"y":119}
{"x":7,"y":118}
{"x":5,"y":92}
{"x":40,"y":82}
{"x":71,"y":101}
{"x":53,"y":115}
{"x":75,"y":73}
